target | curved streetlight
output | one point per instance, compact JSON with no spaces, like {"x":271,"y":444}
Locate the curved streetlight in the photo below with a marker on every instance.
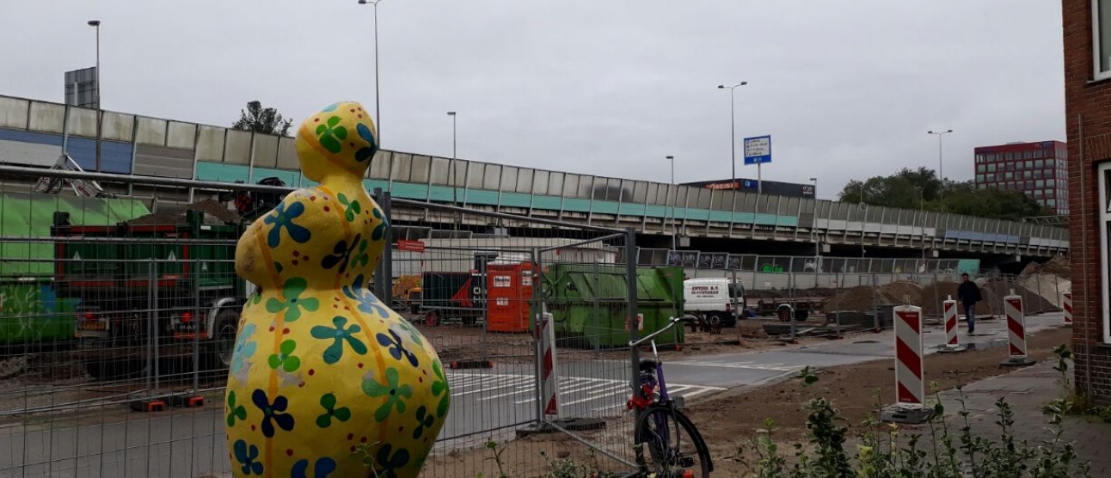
{"x":377,"y":98}
{"x":454,"y":194}
{"x":674,"y":231}
{"x":940,"y":166}
{"x":733,"y":130}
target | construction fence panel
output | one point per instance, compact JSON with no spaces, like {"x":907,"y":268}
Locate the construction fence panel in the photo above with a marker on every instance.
{"x":119,"y":317}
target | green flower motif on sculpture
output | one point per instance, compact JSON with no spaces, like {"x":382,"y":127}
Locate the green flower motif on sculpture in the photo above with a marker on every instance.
{"x":351,"y":208}
{"x":340,"y":334}
{"x":424,"y":420}
{"x":235,"y":411}
{"x":392,"y":390}
{"x":440,"y":387}
{"x":331,"y":134}
{"x":328,"y":401}
{"x":285,"y":360}
{"x":387,"y":462}
{"x":293,"y":302}
{"x":408,"y":328}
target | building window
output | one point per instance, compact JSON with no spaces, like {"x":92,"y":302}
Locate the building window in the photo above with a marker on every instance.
{"x":1038,"y":174}
{"x":1104,"y":179}
{"x":1011,"y":166}
{"x":991,"y":178}
{"x":1039,"y":164}
{"x":979,"y":168}
{"x":1029,"y":184}
{"x":1050,"y":183}
{"x":1039,"y":184}
{"x":991,"y":168}
{"x":1101,"y":44}
{"x":979,"y":178}
{"x":1008,"y":176}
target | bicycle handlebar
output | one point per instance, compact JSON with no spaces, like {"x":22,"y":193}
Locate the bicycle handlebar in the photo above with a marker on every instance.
{"x":671,"y":323}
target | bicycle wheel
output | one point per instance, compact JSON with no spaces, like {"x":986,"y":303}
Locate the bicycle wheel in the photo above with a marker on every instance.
{"x":673,"y":442}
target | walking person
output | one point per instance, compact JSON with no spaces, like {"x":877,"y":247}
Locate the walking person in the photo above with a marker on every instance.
{"x":968,"y":293}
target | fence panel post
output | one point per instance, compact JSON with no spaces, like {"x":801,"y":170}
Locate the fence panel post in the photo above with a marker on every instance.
{"x":631,"y":290}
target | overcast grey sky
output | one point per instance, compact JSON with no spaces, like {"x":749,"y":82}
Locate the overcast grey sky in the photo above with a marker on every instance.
{"x":847,"y":89}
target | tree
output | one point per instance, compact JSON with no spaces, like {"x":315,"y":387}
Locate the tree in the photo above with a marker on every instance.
{"x":920,"y":188}
{"x":262,"y":120}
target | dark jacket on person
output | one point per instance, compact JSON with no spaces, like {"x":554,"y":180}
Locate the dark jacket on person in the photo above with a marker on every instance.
{"x":969,"y":293}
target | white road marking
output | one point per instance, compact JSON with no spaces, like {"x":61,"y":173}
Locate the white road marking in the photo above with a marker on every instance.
{"x":773,"y":367}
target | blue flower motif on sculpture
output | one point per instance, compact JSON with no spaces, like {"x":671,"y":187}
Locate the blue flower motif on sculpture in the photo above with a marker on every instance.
{"x":367,"y":152}
{"x":246,"y":457}
{"x":244,"y":349}
{"x":324,"y":467}
{"x":382,"y":228}
{"x":396,"y":348}
{"x":282,"y":218}
{"x":272,"y":413}
{"x":368,"y":303}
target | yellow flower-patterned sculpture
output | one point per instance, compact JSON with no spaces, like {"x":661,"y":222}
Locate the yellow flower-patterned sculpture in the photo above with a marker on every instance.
{"x":325,"y":378}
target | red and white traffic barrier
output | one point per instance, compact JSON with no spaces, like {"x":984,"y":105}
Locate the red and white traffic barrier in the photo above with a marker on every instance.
{"x":1067,"y":305}
{"x":1016,"y":330}
{"x":952,"y":338}
{"x":549,"y":373}
{"x":910,"y":369}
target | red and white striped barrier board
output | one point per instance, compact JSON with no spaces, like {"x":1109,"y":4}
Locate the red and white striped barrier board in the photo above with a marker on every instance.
{"x":549,"y":373}
{"x":1067,"y":305}
{"x":949,"y":312}
{"x":910,"y":385}
{"x":1016,"y":325}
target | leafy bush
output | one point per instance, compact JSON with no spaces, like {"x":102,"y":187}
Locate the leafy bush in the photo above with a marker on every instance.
{"x":885,"y":452}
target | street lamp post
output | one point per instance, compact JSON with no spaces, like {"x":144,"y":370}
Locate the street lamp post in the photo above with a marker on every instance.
{"x":377,"y":98}
{"x":671,"y":202}
{"x":733,"y":130}
{"x":96,"y":24}
{"x":940,"y":163}
{"x":814,"y":230}
{"x":454,"y":194}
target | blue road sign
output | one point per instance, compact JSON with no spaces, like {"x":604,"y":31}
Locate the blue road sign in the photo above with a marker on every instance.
{"x":758,"y":150}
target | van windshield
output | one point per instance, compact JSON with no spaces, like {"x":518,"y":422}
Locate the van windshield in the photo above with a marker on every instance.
{"x":736,"y":290}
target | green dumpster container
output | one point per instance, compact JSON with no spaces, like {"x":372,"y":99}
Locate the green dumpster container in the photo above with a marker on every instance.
{"x":589,"y":303}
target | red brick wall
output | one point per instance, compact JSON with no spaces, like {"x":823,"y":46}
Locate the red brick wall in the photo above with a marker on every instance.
{"x":1087,"y":107}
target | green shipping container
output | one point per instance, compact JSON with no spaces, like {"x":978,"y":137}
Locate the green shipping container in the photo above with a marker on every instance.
{"x":589,"y":303}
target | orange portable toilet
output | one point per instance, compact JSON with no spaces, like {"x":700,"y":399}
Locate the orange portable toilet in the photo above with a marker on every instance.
{"x":509,"y":295}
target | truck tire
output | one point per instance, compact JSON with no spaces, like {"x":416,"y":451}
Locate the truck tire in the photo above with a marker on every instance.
{"x":114,"y":368}
{"x":222,"y":347}
{"x":728,"y":320}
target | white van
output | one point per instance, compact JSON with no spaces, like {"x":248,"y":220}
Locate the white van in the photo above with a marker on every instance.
{"x":714,"y":298}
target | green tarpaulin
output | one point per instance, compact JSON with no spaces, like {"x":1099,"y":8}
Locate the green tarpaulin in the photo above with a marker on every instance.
{"x":31,"y":215}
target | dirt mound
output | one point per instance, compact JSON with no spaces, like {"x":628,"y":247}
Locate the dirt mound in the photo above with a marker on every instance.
{"x":934,"y":294}
{"x":862,"y":298}
{"x":994,"y":290}
{"x":214,"y":213}
{"x":1058,"y":266}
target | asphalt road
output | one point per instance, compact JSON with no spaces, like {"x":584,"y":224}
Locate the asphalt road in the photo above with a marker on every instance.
{"x":187,"y":443}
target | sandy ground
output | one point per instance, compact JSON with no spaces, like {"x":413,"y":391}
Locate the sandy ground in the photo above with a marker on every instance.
{"x":731,"y":419}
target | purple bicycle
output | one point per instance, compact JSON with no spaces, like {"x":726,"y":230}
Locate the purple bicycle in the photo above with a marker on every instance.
{"x":675,"y":447}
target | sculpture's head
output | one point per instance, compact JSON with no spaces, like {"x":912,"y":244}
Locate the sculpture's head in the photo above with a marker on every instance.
{"x":340,"y":139}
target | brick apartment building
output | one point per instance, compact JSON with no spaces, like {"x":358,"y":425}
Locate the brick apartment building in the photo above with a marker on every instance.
{"x":1037,"y":169}
{"x":1087,"y":53}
